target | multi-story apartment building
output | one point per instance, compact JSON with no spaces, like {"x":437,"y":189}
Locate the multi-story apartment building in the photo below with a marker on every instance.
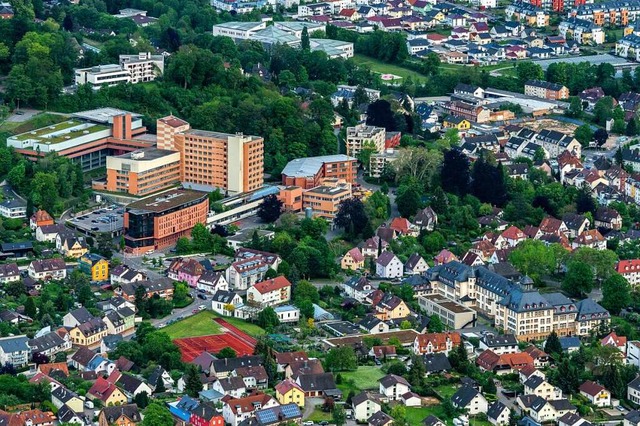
{"x":545,"y":90}
{"x":325,"y":200}
{"x":629,"y":47}
{"x":87,"y":138}
{"x":309,"y":172}
{"x":558,"y":5}
{"x":362,"y":136}
{"x":582,"y":31}
{"x":555,"y":143}
{"x":379,"y":161}
{"x":142,"y":67}
{"x":271,"y":292}
{"x":609,"y":13}
{"x":527,"y":13}
{"x":250,"y":267}
{"x":157,"y":222}
{"x":515,"y":306}
{"x":238,"y":30}
{"x":212,"y":160}
{"x":141,"y":172}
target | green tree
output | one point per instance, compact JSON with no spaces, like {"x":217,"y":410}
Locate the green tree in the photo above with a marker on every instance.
{"x":304,"y":291}
{"x":192,"y":382}
{"x":342,"y":358}
{"x":305,"y":43}
{"x":575,"y":108}
{"x":578,"y":281}
{"x":408,"y":200}
{"x":227,"y":352}
{"x":584,"y":134}
{"x":267,"y":318}
{"x":552,"y":345}
{"x":632,"y":127}
{"x":142,"y":400}
{"x":30,"y":309}
{"x":351,"y":217}
{"x":157,"y":414}
{"x":616,"y":293}
{"x":534,"y":258}
{"x":528,"y":71}
{"x":435,"y":324}
{"x":399,"y":414}
{"x":338,"y":415}
{"x":455,"y":175}
{"x":270,"y":209}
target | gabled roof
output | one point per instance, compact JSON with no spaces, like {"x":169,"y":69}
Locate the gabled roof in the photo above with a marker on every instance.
{"x":385,"y":258}
{"x":464,"y":396}
{"x":436,"y":362}
{"x":130,"y":411}
{"x":391,"y":380}
{"x":274,"y":284}
{"x":379,"y":419}
{"x":496,"y":409}
{"x":316,"y":382}
{"x":591,"y":388}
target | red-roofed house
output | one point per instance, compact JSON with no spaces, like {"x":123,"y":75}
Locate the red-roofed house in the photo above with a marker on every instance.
{"x":435,"y":342}
{"x":349,"y":14}
{"x":236,"y":410}
{"x":612,"y":339}
{"x":630,"y":269}
{"x":270,"y":292}
{"x":289,"y":392}
{"x":597,"y":394}
{"x":551,"y":225}
{"x":445,"y":256}
{"x":513,"y":236}
{"x":402,"y":226}
{"x":106,"y":392}
{"x":505,"y":363}
{"x":40,"y":218}
{"x":353,"y":260}
{"x":591,"y":238}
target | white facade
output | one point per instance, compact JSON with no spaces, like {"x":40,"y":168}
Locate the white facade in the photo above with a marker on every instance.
{"x":288,"y":313}
{"x":394,"y":392}
{"x":269,"y":298}
{"x":14,"y":350}
{"x":394,"y":269}
{"x":365,"y":409}
{"x":143,"y":66}
{"x":13,"y":210}
{"x":360,"y":136}
{"x":102,"y":75}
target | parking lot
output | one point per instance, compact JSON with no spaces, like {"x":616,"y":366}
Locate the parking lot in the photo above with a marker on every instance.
{"x":108,"y":219}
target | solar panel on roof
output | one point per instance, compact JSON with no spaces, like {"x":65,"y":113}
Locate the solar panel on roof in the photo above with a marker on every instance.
{"x":290,"y":410}
{"x":266,"y":416}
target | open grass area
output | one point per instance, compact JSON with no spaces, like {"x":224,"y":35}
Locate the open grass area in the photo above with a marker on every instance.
{"x":36,"y":122}
{"x":446,"y":391}
{"x":318,"y":415}
{"x":364,"y":378}
{"x":385,"y":68}
{"x":415,"y":416}
{"x":200,"y":324}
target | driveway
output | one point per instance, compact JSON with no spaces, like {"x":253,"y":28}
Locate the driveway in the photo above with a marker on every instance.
{"x":25,"y":115}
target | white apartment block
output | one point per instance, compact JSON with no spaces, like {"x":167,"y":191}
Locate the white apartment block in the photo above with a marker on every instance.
{"x":362,"y":135}
{"x":238,"y":30}
{"x":143,"y":66}
{"x":102,"y":76}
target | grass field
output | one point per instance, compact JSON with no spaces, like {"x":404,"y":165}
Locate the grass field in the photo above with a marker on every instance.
{"x":415,"y":416}
{"x":318,"y":415}
{"x":364,"y":378}
{"x":202,"y":324}
{"x":384,"y":68}
{"x":446,"y":391}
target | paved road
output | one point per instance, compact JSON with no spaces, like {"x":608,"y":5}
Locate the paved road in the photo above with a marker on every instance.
{"x":374,"y":187}
{"x":184,"y":312}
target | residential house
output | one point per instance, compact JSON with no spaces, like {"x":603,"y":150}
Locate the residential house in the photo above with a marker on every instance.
{"x":89,"y":333}
{"x":537,"y":385}
{"x":212,"y":281}
{"x":435,"y":342}
{"x":315,"y":385}
{"x":70,"y":246}
{"x":61,"y":396}
{"x":436,"y":363}
{"x":373,"y":325}
{"x":205,"y":414}
{"x":289,"y":392}
{"x":47,"y":269}
{"x":426,"y":219}
{"x":163,"y":287}
{"x":122,"y":415}
{"x":187,"y":270}
{"x":576,"y":224}
{"x":106,"y":392}
{"x":357,"y":288}
{"x":50,"y":344}
{"x":15,"y":350}
{"x":271,"y":292}
{"x":9,"y":272}
{"x":470,"y":400}
{"x":233,"y":386}
{"x":498,"y":414}
{"x":415,"y":265}
{"x":388,"y":265}
{"x":48,"y":233}
{"x":124,"y":274}
{"x":392,"y":387}
{"x":40,"y":218}
{"x":353,"y":260}
{"x":380,"y":419}
{"x":94,"y":265}
{"x":633,"y":391}
{"x":591,"y":238}
{"x":608,"y":218}
{"x":389,"y":307}
{"x":597,"y":394}
{"x":225,"y":302}
{"x":364,"y":405}
{"x":499,"y":344}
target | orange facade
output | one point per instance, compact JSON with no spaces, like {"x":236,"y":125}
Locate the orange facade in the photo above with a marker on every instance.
{"x":151,"y":171}
{"x":158,"y":222}
{"x":325,"y":200}
{"x":343,"y":170}
{"x":291,"y":198}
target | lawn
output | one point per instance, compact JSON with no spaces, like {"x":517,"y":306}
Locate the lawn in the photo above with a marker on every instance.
{"x":415,"y":416}
{"x":318,"y":415}
{"x":200,"y":324}
{"x":384,"y":68}
{"x":446,"y":391}
{"x":364,"y":378}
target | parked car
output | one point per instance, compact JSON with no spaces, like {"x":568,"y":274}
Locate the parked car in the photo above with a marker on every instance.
{"x":202,"y":296}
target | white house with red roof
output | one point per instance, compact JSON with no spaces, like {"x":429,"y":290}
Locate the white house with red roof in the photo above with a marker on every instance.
{"x":513,"y":236}
{"x":270,"y":292}
{"x":597,"y":394}
{"x":236,"y":410}
{"x":402,"y":226}
{"x":630,"y":269}
{"x":591,"y":238}
{"x":612,"y":339}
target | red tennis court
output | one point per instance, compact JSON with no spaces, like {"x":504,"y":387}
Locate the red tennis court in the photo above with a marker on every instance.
{"x":191,"y":347}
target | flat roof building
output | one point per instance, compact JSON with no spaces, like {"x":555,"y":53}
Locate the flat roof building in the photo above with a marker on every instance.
{"x":141,"y":172}
{"x":325,"y":201}
{"x":157,"y":222}
{"x":309,"y":172}
{"x":87,"y":137}
{"x":210,"y":160}
{"x":452,"y":314}
{"x":361,"y":136}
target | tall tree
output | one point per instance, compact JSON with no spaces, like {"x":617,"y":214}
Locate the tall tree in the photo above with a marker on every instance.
{"x":270,"y":209}
{"x":455,"y":175}
{"x":192,"y":382}
{"x":157,"y":414}
{"x":578,"y":281}
{"x":552,"y":346}
{"x":351,"y":216}
{"x":408,"y":200}
{"x":616,"y":293}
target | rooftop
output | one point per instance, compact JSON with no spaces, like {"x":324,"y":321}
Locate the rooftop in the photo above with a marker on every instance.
{"x":103,"y":115}
{"x":166,"y":201}
{"x":60,"y":132}
{"x":148,"y":154}
{"x":309,"y":166}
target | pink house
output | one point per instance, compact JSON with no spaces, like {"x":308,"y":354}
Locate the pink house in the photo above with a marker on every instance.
{"x":188,"y":270}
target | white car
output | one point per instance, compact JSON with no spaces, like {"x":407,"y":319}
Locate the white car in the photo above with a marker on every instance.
{"x":308,"y":423}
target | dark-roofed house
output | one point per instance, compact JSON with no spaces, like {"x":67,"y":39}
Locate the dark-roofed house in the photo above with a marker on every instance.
{"x":415,"y":265}
{"x":470,"y":399}
{"x":50,"y":344}
{"x":432,"y":420}
{"x":15,"y":350}
{"x":389,"y":266}
{"x":537,"y":385}
{"x":283,"y":359}
{"x":223,"y":300}
{"x":9,"y":272}
{"x":597,"y":394}
{"x":223,"y":368}
{"x":633,"y":391}
{"x":357,"y":288}
{"x":572,"y":419}
{"x":321,"y":384}
{"x":500,"y":344}
{"x":426,"y":219}
{"x":392,"y":387}
{"x":373,"y":325}
{"x":282,"y":414}
{"x":128,"y":414}
{"x":77,"y":317}
{"x":365,"y":404}
{"x":302,"y":367}
{"x":436,"y":363}
{"x":380,"y":419}
{"x":498,"y":414}
{"x":163,"y":287}
{"x":48,"y":269}
{"x":632,"y":418}
{"x":545,"y":90}
{"x":231,"y":385}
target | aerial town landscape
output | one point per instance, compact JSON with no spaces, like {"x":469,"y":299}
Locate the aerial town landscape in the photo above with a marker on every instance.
{"x":341,"y":212}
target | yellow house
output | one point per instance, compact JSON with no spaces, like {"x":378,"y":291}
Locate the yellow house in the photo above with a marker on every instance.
{"x":70,"y":246}
{"x":289,"y":392}
{"x":94,"y":265}
{"x":106,"y":392}
{"x":353,"y":260}
{"x":89,"y":334}
{"x":453,"y":122}
{"x":390,"y":307}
